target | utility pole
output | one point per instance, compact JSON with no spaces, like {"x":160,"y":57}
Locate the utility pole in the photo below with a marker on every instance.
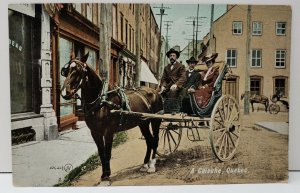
{"x":161,"y":13}
{"x":105,"y":42}
{"x":195,"y":23}
{"x":188,"y":46}
{"x":138,"y":46}
{"x":197,"y":29}
{"x":247,"y":78}
{"x":167,"y":40}
{"x":211,"y":33}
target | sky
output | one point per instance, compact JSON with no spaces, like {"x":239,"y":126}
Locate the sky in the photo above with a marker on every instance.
{"x":182,"y":29}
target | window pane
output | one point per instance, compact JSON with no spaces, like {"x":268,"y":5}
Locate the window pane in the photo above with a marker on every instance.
{"x":20,"y":57}
{"x":92,"y":59}
{"x":65,"y":49}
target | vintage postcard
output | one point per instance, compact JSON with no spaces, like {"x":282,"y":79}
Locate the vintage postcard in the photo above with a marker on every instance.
{"x":149,"y":94}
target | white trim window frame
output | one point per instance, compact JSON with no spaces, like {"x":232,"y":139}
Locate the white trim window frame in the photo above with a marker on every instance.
{"x":280,"y":58}
{"x":257,"y":28}
{"x":256,"y":58}
{"x":231,"y":57}
{"x":281,"y":28}
{"x":237,"y":27}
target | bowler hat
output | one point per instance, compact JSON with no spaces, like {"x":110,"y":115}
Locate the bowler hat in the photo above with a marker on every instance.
{"x":172,"y":50}
{"x":192,"y":60}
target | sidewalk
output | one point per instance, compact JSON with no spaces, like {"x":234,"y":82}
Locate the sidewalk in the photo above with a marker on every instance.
{"x":279,"y":127}
{"x":44,"y":163}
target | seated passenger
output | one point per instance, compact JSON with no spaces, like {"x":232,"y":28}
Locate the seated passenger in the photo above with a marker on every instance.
{"x":208,"y":77}
{"x":193,"y":79}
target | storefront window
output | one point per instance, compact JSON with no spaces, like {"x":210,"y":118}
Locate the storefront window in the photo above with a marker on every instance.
{"x":21,"y":62}
{"x":91,"y":61}
{"x":65,"y":49}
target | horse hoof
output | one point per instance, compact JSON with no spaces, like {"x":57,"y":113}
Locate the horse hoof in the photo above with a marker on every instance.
{"x":144,"y":168}
{"x":105,"y":182}
{"x":151,"y":170}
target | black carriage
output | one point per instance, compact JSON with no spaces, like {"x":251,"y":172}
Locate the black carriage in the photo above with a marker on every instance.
{"x":221,"y":116}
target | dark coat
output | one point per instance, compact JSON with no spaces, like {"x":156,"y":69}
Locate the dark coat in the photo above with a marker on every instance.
{"x":193,"y":80}
{"x":175,"y":76}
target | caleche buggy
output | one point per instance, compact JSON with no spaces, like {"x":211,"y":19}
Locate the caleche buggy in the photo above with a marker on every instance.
{"x":221,"y":115}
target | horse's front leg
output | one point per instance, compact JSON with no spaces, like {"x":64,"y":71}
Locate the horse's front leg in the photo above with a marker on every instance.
{"x":155,"y":130}
{"x":144,"y":127}
{"x":99,"y":140}
{"x":108,"y":148}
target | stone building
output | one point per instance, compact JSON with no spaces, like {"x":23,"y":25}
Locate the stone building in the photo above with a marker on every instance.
{"x":50,"y":35}
{"x":270,"y":42}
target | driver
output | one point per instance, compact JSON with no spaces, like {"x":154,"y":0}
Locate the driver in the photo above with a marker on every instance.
{"x":174,"y":76}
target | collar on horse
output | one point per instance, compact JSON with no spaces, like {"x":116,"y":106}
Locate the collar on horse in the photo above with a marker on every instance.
{"x":102,"y":101}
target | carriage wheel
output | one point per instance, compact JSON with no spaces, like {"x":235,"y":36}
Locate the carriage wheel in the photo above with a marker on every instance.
{"x":225,"y":128}
{"x":169,"y":138}
{"x":274,"y":108}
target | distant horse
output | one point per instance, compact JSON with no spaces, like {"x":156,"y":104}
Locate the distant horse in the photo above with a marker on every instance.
{"x":102,"y":123}
{"x":257,"y":99}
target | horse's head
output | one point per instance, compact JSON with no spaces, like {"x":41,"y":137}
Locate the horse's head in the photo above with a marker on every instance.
{"x":75,"y":72}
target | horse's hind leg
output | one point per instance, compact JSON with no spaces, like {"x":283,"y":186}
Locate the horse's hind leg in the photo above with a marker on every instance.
{"x":144,"y":127}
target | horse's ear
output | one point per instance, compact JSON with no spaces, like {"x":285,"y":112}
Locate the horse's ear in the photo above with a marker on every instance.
{"x":84,"y":58}
{"x":72,"y":56}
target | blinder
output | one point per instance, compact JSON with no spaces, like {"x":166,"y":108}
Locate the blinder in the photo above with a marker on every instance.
{"x":65,"y":70}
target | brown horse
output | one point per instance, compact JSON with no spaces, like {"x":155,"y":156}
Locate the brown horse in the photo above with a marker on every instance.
{"x":257,"y":99}
{"x":102,"y":123}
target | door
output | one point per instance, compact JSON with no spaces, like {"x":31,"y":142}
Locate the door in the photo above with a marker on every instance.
{"x":231,"y":87}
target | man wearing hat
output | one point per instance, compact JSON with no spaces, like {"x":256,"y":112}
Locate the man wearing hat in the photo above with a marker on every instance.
{"x":193,"y":79}
{"x":174,"y":76}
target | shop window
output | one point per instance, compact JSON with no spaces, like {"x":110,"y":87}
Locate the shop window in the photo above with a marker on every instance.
{"x":65,"y":50}
{"x":255,"y":85}
{"x":280,"y":86}
{"x":21,"y":62}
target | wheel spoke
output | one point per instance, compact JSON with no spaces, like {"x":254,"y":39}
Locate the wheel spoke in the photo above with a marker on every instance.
{"x":225,"y":147}
{"x":219,"y":130}
{"x":234,"y":117}
{"x":169,"y":142}
{"x":231,"y":140}
{"x":221,"y":146}
{"x":219,"y":111}
{"x":175,"y":132}
{"x":228,"y":142}
{"x":230,"y":112}
{"x":222,"y":124}
{"x":223,"y":104}
{"x":173,"y":139}
{"x":235,"y":134}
